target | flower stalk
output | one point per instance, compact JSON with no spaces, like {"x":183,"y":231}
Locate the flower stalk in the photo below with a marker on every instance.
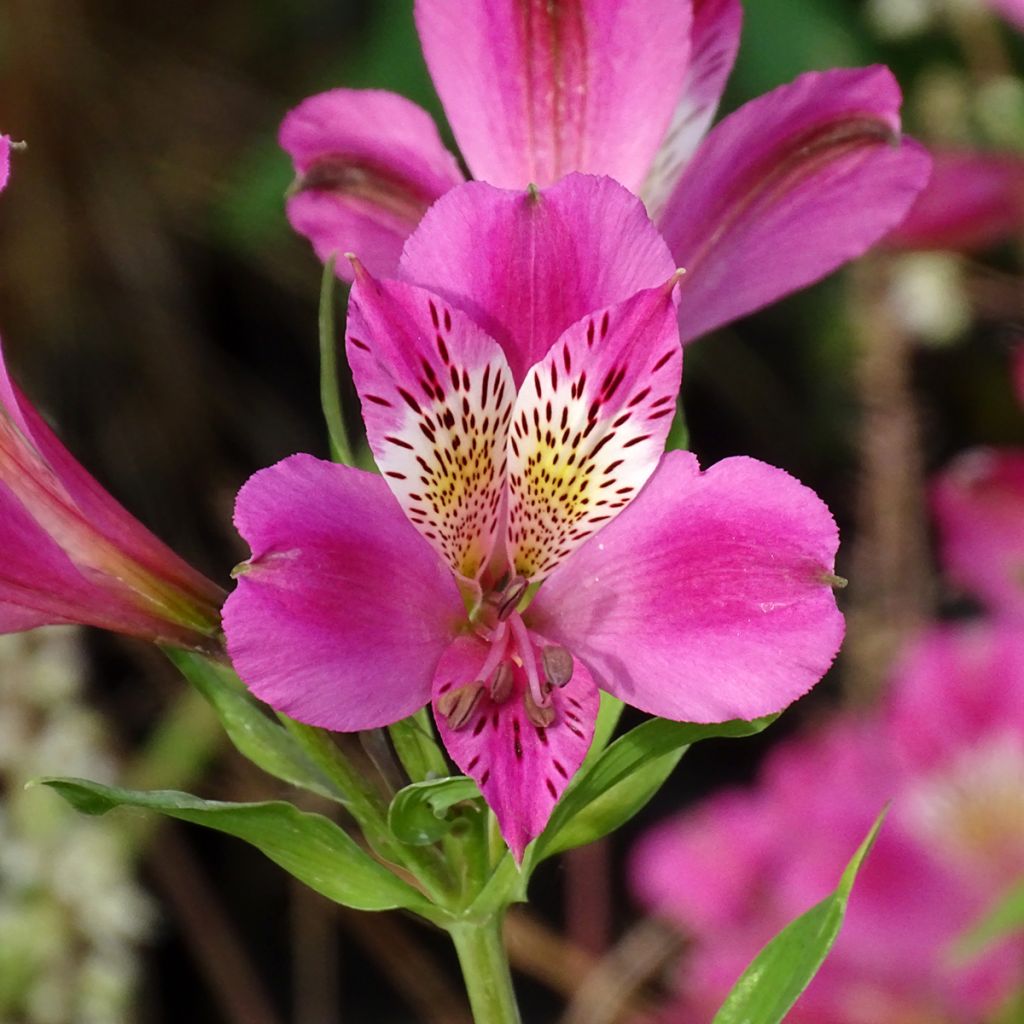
{"x":485,"y":971}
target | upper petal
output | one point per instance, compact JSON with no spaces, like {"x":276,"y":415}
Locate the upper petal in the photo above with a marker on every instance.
{"x":972,"y":200}
{"x":527,"y":265}
{"x":786,"y":189}
{"x":708,"y":598}
{"x":342,"y":612}
{"x":714,"y":41}
{"x":369,"y":164}
{"x":534,"y":89}
{"x":589,"y":427}
{"x":437,"y":398}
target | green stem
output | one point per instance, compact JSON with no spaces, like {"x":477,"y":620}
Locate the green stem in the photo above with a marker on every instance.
{"x":485,"y":971}
{"x":341,"y":450}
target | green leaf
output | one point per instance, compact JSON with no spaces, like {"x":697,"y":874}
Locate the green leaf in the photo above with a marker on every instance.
{"x":624,"y":778}
{"x":418,"y":814}
{"x":308,"y":846}
{"x":1004,"y":919}
{"x":416,"y":745}
{"x":784,"y":968}
{"x":255,"y":736}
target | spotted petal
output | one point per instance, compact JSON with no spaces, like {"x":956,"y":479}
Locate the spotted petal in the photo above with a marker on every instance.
{"x":437,"y":397}
{"x":521,"y":768}
{"x":589,"y":427}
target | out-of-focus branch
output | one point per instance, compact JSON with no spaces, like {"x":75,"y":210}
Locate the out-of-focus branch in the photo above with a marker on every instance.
{"x":890,"y":578}
{"x":613,"y":990}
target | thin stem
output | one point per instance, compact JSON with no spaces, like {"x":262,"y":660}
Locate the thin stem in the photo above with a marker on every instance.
{"x":485,"y":971}
{"x":330,"y":402}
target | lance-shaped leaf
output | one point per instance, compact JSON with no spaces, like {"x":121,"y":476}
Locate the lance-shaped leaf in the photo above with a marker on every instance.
{"x":255,"y":735}
{"x":784,"y":968}
{"x":622,"y":780}
{"x":308,"y":846}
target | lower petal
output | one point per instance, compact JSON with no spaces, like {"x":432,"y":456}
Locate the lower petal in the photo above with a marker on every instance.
{"x":521,"y":767}
{"x":341,"y":614}
{"x":707,"y":599}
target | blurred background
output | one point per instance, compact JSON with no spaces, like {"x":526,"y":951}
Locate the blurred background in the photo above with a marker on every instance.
{"x":155,"y":305}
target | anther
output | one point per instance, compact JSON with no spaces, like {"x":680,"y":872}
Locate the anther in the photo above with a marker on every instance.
{"x":458,"y":706}
{"x":511,"y":596}
{"x":557,"y":665}
{"x":500,"y":684}
{"x":542,"y":717}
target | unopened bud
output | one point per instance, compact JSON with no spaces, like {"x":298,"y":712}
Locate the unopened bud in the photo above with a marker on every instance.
{"x":511,"y":596}
{"x":500,"y":683}
{"x":542,"y":717}
{"x":458,"y":706}
{"x":557,"y":665}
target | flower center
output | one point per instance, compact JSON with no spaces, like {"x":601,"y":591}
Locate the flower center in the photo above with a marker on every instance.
{"x":516,"y":661}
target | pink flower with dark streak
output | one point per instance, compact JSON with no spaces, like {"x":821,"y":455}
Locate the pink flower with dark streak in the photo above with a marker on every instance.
{"x":777,"y":195}
{"x":73,"y":554}
{"x":527,"y":543}
{"x":972,"y":201}
{"x":948,"y":750}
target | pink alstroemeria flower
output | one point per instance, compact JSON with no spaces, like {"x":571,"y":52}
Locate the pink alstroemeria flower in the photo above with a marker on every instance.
{"x":780,"y":193}
{"x":948,"y":750}
{"x":527,"y":543}
{"x":71,"y":554}
{"x":973,"y":200}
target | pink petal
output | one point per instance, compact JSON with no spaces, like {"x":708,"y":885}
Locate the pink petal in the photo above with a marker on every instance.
{"x":437,"y":397}
{"x":786,"y":189}
{"x":589,"y":427}
{"x":979,"y":509}
{"x":1012,"y":10}
{"x":342,"y":613}
{"x":972,"y":201}
{"x":714,"y":41}
{"x":525,"y":266}
{"x":5,"y":161}
{"x":707,"y":599}
{"x":135,"y":583}
{"x":521,"y":768}
{"x":369,"y":164}
{"x":974,"y":672}
{"x":535,"y":90}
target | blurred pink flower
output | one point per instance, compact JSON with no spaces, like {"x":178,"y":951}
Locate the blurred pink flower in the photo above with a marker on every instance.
{"x":70,"y":552}
{"x":972,"y":201}
{"x":1012,"y":10}
{"x":779,"y":194}
{"x":517,"y":409}
{"x":978,"y":503}
{"x":948,"y":750}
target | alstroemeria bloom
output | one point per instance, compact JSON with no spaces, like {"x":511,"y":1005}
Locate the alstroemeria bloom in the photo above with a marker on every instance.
{"x":517,"y":410}
{"x":70,"y":553}
{"x":948,"y":750}
{"x":777,"y":195}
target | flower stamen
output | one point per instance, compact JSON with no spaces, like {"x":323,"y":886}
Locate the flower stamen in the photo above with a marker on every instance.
{"x":458,"y":706}
{"x":558,"y":665}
